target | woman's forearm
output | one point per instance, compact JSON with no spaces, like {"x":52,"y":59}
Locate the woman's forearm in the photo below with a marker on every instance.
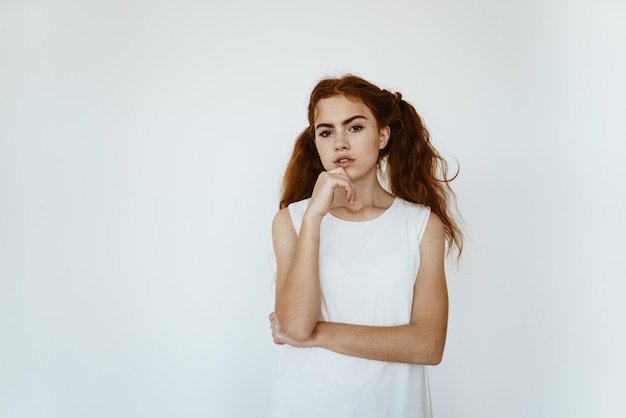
{"x":298,"y":295}
{"x":412,"y":343}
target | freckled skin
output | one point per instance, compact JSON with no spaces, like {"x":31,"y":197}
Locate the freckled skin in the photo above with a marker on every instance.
{"x":347,"y":128}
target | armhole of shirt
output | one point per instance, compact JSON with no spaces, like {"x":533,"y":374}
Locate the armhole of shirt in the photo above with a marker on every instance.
{"x":424,"y":216}
{"x":296,"y":211}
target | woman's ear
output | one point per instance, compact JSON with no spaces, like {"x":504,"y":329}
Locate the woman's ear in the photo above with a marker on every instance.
{"x":385,"y":133}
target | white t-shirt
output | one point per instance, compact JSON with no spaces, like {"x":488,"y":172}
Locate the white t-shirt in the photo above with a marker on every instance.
{"x":367,"y":273}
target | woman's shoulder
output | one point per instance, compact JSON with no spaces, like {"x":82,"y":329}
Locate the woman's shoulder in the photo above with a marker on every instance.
{"x":412,"y":207}
{"x":291,"y":216}
{"x":417,"y":216}
{"x":297,"y":209}
{"x":299,"y":204}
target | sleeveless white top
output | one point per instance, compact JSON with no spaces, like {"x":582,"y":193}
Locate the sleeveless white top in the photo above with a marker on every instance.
{"x":367,"y":273}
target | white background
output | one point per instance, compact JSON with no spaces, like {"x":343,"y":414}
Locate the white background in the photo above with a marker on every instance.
{"x":142,"y":145}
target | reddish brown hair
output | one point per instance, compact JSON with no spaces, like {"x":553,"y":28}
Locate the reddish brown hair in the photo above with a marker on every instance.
{"x":415,"y":170}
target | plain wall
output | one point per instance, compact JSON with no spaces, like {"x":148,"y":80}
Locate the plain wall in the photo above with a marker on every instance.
{"x":142,"y":145}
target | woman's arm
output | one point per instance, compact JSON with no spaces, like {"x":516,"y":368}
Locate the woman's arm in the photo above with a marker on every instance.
{"x":298,"y":293}
{"x":420,"y":342}
{"x":297,"y":276}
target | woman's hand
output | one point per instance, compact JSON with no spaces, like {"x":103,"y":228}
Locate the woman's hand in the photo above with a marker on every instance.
{"x":324,"y":190}
{"x":280,"y":337}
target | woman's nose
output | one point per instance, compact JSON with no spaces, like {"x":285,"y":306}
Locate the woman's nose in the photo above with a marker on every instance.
{"x":341,"y":141}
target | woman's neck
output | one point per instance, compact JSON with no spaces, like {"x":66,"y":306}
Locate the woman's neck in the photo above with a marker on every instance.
{"x":368,"y":196}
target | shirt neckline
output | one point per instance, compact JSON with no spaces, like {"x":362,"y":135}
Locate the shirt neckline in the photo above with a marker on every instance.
{"x":395,"y":199}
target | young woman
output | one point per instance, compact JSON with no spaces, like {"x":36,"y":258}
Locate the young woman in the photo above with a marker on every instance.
{"x":361,"y":297}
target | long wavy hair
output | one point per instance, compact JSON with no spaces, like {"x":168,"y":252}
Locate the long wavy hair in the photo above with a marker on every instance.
{"x":414,"y":170}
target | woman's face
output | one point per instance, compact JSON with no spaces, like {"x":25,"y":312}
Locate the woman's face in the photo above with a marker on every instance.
{"x":347,"y":135}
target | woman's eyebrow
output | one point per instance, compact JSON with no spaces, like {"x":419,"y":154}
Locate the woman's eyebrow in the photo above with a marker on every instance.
{"x":345,"y":122}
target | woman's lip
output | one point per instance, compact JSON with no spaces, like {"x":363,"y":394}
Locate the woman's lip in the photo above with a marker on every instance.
{"x":343,"y":162}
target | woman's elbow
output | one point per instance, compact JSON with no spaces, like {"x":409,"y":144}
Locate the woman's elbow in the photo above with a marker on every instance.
{"x":435,"y":358}
{"x":299,"y":331}
{"x":428,"y":358}
{"x":301,"y":334}
{"x":429,"y":353}
{"x":425,"y":358}
{"x":298,"y":324}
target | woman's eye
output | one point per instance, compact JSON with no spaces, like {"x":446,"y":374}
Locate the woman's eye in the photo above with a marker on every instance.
{"x":324,"y":134}
{"x":356,"y":128}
